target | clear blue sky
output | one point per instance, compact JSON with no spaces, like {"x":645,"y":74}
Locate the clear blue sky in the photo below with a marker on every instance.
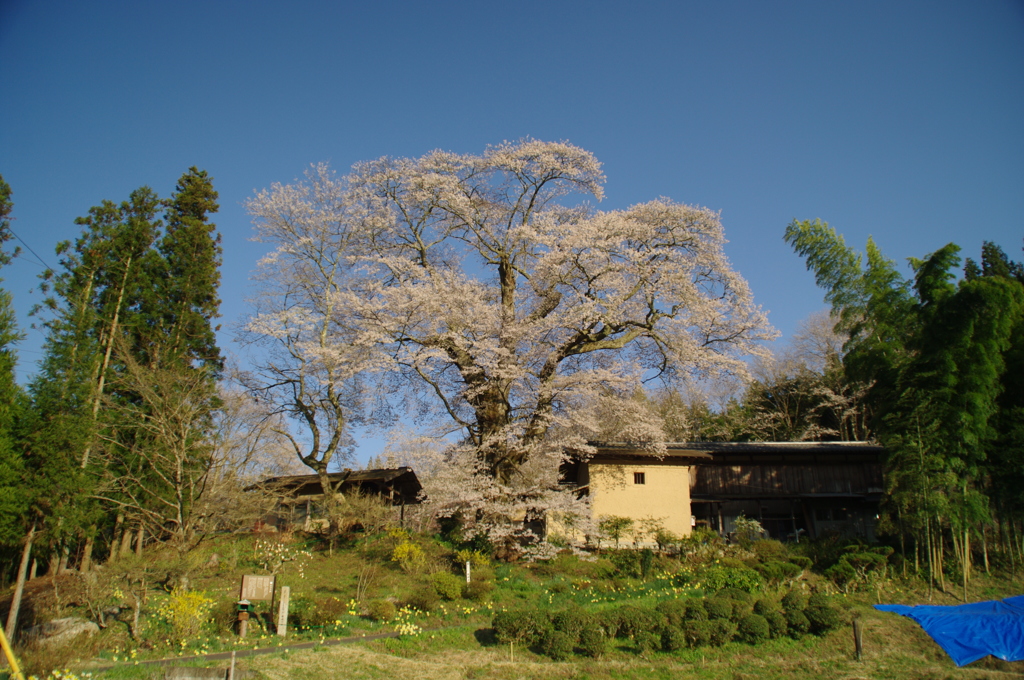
{"x":901,"y":120}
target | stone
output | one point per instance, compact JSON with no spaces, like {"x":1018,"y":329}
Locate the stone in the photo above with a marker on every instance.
{"x":61,"y":631}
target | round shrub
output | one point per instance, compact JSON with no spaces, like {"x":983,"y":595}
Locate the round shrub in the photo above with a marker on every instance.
{"x":722,"y":631}
{"x":741,"y":609}
{"x":673,"y":638}
{"x":777,"y":571}
{"x":769,"y":549}
{"x":797,"y":623}
{"x":381,"y":610}
{"x":735,"y":594}
{"x":448,"y":586}
{"x":634,"y":620}
{"x":718,"y":607}
{"x":801,"y":561}
{"x":823,"y":618}
{"x":593,"y":642}
{"x":739,"y":578}
{"x":698,"y":633}
{"x":571,"y":622}
{"x":522,"y":626}
{"x":776,"y":623}
{"x":478,"y":591}
{"x":557,"y":645}
{"x":695,"y":610}
{"x":753,"y":629}
{"x":647,"y":641}
{"x":674,"y":611}
{"x":794,"y":601}
{"x":425,"y":599}
{"x":818,"y":600}
{"x":765,"y":605}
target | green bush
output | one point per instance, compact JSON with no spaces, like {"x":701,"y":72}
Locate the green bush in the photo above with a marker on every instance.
{"x":722,"y":631}
{"x":841,"y":573}
{"x":646,"y":562}
{"x":593,"y":642}
{"x":777,"y":572}
{"x":735,"y":594}
{"x":381,"y":610}
{"x":768,"y":549}
{"x":557,"y":644}
{"x":753,"y":629}
{"x":627,"y":562}
{"x":698,"y":633}
{"x":804,"y":563}
{"x":647,"y":641}
{"x":478,"y":591}
{"x":718,"y":578}
{"x":572,"y":622}
{"x":718,"y":607}
{"x":741,"y":609}
{"x":765,"y":605}
{"x":818,"y":600}
{"x":633,"y":620}
{"x":794,"y":601}
{"x":823,"y":618}
{"x":797,"y":623}
{"x":776,"y":623}
{"x":424,"y":599}
{"x":673,"y":638}
{"x":674,"y":611}
{"x":695,"y":610}
{"x":448,"y":586}
{"x":520,"y":626}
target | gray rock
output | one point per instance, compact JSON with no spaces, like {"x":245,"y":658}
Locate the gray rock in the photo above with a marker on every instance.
{"x":61,"y":631}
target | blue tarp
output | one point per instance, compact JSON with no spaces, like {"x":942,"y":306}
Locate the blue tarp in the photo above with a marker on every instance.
{"x":969,"y":632}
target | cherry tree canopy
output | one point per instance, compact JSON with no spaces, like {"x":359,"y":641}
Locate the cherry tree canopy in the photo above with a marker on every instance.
{"x":489,"y":286}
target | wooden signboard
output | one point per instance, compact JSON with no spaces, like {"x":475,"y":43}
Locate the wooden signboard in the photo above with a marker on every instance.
{"x":282,"y":611}
{"x":257,"y":588}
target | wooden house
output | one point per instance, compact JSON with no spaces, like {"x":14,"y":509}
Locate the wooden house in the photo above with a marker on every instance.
{"x":793,"y":488}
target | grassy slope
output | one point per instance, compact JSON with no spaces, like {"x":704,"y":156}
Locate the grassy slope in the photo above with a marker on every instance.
{"x":895,"y":647}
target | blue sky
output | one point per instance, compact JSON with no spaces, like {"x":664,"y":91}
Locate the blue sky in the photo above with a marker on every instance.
{"x":900,"y":120}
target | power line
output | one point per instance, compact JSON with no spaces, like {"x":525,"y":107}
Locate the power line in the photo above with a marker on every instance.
{"x":41,"y":261}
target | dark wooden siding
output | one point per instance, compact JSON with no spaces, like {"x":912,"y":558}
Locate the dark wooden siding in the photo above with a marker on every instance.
{"x":768,"y":479}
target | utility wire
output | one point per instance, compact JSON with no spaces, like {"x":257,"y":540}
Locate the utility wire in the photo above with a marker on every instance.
{"x":39,"y":259}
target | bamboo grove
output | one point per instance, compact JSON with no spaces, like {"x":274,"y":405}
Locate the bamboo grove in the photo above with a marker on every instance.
{"x":940,"y":357}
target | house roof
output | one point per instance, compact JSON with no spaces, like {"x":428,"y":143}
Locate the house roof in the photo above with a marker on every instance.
{"x":738,"y":452}
{"x":402,"y":481}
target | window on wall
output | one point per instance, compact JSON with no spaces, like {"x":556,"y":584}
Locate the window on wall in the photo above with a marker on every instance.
{"x":639,"y":478}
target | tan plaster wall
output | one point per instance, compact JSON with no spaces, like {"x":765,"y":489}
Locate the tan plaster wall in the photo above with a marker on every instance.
{"x":664,"y":496}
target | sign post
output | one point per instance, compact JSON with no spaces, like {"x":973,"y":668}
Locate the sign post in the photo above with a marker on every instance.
{"x":282,"y":611}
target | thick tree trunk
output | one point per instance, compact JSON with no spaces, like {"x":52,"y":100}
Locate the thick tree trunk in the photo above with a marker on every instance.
{"x":19,"y":587}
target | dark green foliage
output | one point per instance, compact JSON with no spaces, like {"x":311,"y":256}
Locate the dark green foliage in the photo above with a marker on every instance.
{"x":776,"y":623}
{"x":699,"y":633}
{"x":818,"y":600}
{"x":753,"y":628}
{"x":573,"y":622}
{"x":557,"y":645}
{"x":381,"y":610}
{"x":794,"y":600}
{"x":522,"y":626}
{"x":627,"y":562}
{"x":632,"y":620}
{"x":797,"y":622}
{"x":477,"y":590}
{"x":778,"y":572}
{"x":425,"y":599}
{"x":647,"y":641}
{"x":673,"y":638}
{"x":695,"y":610}
{"x":674,"y":611}
{"x":765,"y":605}
{"x":722,"y":631}
{"x":733,"y":593}
{"x":740,"y":610}
{"x":801,"y":561}
{"x":593,"y":642}
{"x":448,"y":586}
{"x":718,"y":607}
{"x":823,"y":618}
{"x":841,"y":573}
{"x":646,"y":562}
{"x":769,"y":549}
